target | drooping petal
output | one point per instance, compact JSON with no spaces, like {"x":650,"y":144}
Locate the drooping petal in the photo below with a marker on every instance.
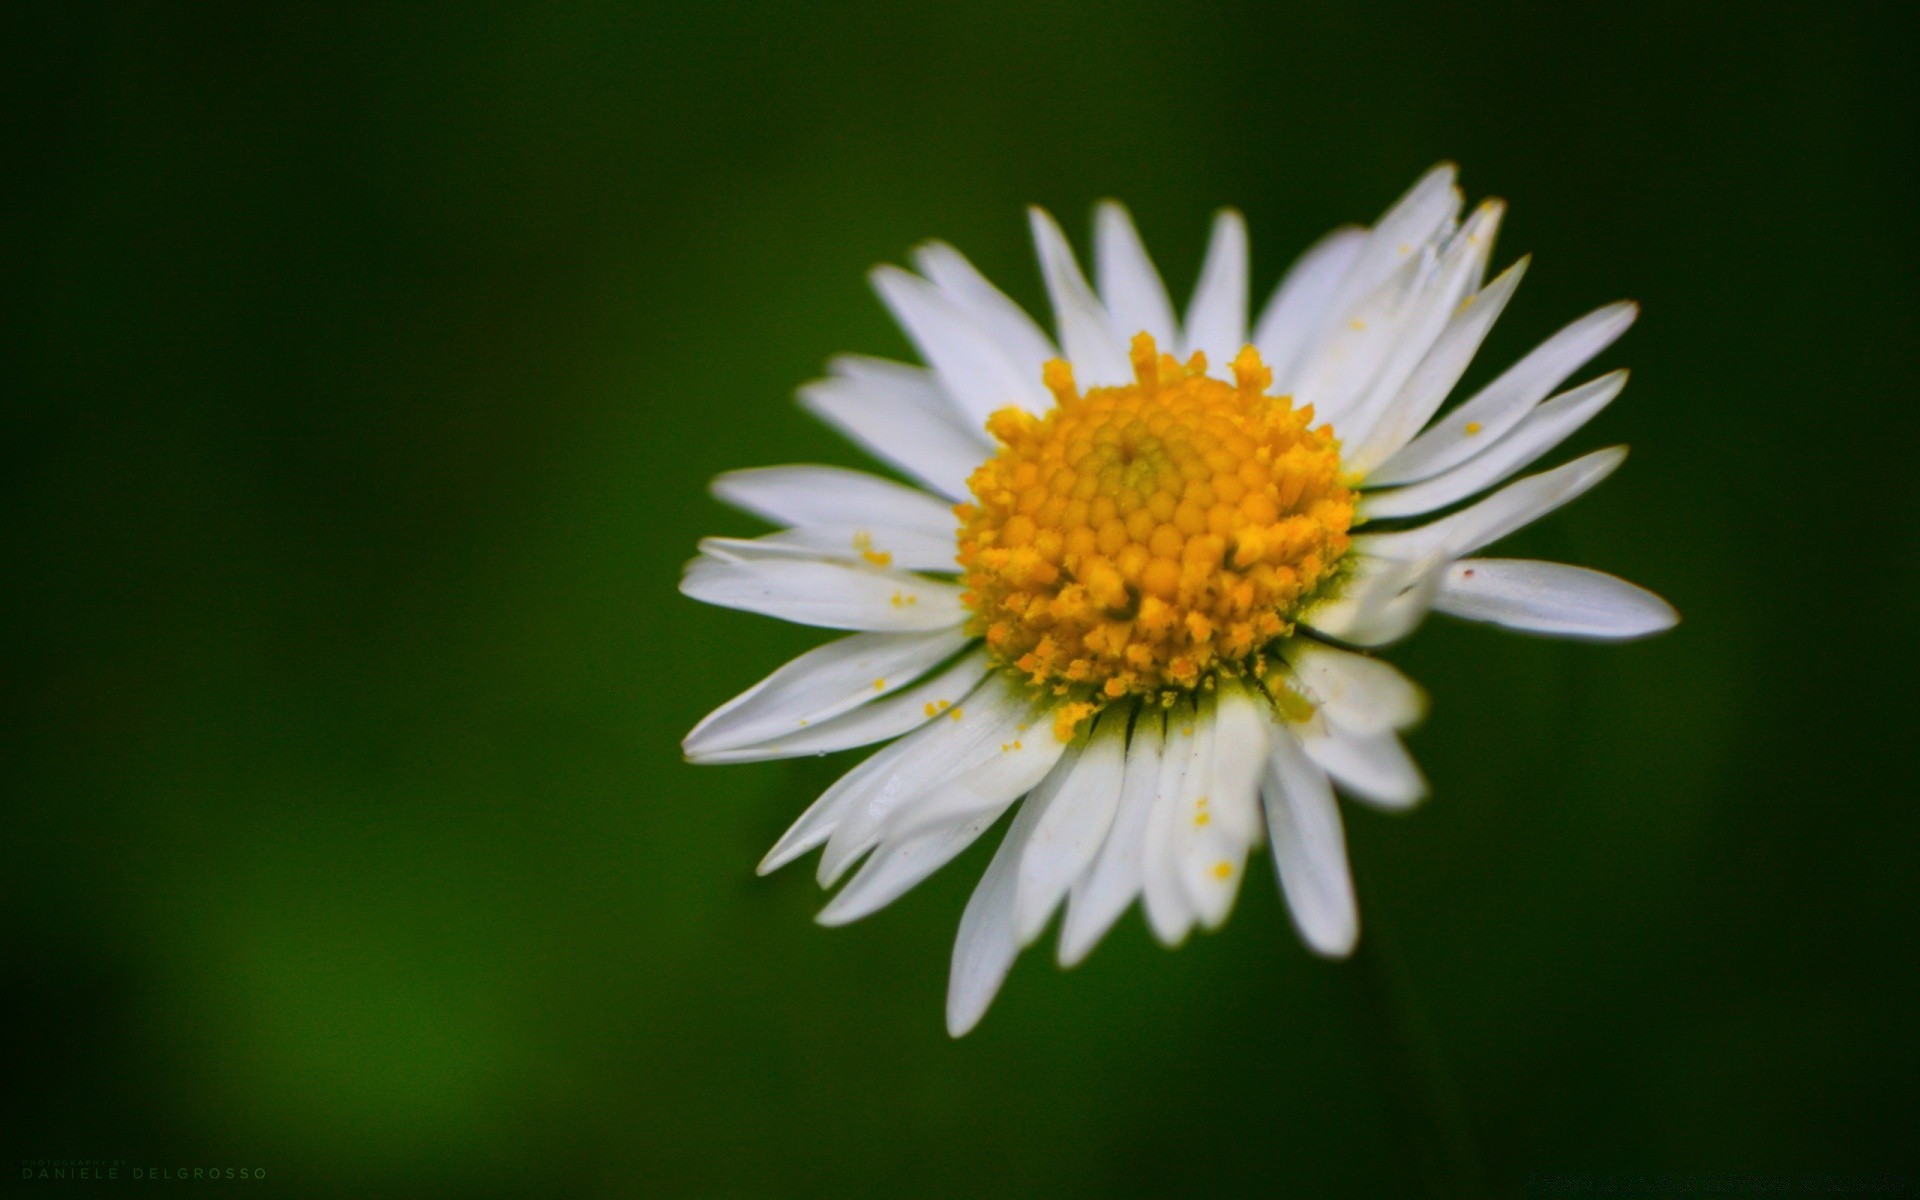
{"x":1188,"y":752}
{"x":1414,"y":221}
{"x":948,"y":748}
{"x":1362,"y":693}
{"x":877,"y":720}
{"x":813,"y":495}
{"x":1095,"y":347}
{"x":821,"y":684}
{"x":825,"y":594}
{"x":1552,"y":598}
{"x":898,"y":866}
{"x":988,"y":941}
{"x":1224,"y":824}
{"x":1542,"y":429}
{"x":1130,"y":287}
{"x":1382,"y":601}
{"x":1516,"y":505}
{"x":1298,"y":308}
{"x":1500,"y":405}
{"x":974,"y":369}
{"x":1216,"y":321}
{"x":1066,"y":839}
{"x":1104,"y":892}
{"x":1374,"y":766}
{"x":1309,"y":848}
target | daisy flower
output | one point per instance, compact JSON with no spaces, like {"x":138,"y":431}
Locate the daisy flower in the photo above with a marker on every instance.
{"x":1137,"y":590}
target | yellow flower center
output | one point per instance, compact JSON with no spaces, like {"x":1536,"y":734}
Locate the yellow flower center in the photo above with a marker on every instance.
{"x":1137,"y":539}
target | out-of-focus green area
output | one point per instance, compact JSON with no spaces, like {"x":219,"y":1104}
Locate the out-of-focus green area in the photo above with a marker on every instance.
{"x":362,"y":375}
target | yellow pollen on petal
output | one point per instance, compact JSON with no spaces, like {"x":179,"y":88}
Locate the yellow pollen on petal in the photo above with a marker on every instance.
{"x":1144,"y":538}
{"x":1223,"y":870}
{"x":1473,"y":427}
{"x":863,"y":542}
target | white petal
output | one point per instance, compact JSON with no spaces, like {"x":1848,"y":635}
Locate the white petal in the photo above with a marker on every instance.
{"x":1426,"y":313}
{"x":917,"y":439}
{"x":904,"y":549}
{"x":1382,"y":601}
{"x":820,"y":684}
{"x":918,"y":386}
{"x":830,"y":595}
{"x":898,"y":866}
{"x":1130,"y":287}
{"x":1103,"y":893}
{"x":1543,"y":429}
{"x":1352,"y":354}
{"x":1298,"y":309}
{"x":1216,"y":321}
{"x":1430,"y":383}
{"x":986,"y":946}
{"x":1361,"y":693}
{"x":1493,"y":518}
{"x":1403,"y":231}
{"x":1016,"y":333}
{"x":941,"y":750}
{"x":1170,"y":914}
{"x":988,"y":784}
{"x":1066,"y":839}
{"x":1214,"y":849}
{"x":975,"y":370}
{"x":876,"y":720}
{"x":1500,"y":405}
{"x":1309,"y":849}
{"x":1087,"y":333}
{"x":1375,"y":767}
{"x":810,"y":495}
{"x":1552,"y":598}
{"x":879,"y":781}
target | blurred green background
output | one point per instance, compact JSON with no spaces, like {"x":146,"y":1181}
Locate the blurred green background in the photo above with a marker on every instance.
{"x":363,"y":373}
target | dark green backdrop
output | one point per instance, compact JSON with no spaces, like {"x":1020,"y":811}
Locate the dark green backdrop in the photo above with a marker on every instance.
{"x":362,"y":376}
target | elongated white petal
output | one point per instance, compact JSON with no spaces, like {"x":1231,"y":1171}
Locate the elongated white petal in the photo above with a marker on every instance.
{"x":1382,"y":601}
{"x":1342,"y":365}
{"x":915,"y":438}
{"x":829,"y":595}
{"x":1427,"y":388}
{"x":1500,"y":405}
{"x":1224,"y":823}
{"x":1104,"y":892}
{"x":987,"y":943}
{"x":902,"y":548}
{"x":971,"y":366}
{"x":944,"y":749}
{"x":813,"y":495}
{"x":1413,"y":222}
{"x":1362,"y":693}
{"x":1069,"y":835}
{"x":1309,"y":848}
{"x":820,"y":684}
{"x":1552,"y":598}
{"x":895,"y":868}
{"x":909,"y":384}
{"x":1016,"y":333}
{"x":1298,"y":308}
{"x":1087,"y":333}
{"x":1375,"y":767}
{"x":989,"y":784}
{"x":877,"y":720}
{"x":1423,"y":319}
{"x":1216,"y":321}
{"x":1130,"y":287}
{"x":1543,"y":429}
{"x":1493,"y":518}
{"x":878,"y":782}
{"x":1170,"y":915}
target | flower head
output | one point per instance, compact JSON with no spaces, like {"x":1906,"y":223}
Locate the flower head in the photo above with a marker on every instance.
{"x":1139,"y":593}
